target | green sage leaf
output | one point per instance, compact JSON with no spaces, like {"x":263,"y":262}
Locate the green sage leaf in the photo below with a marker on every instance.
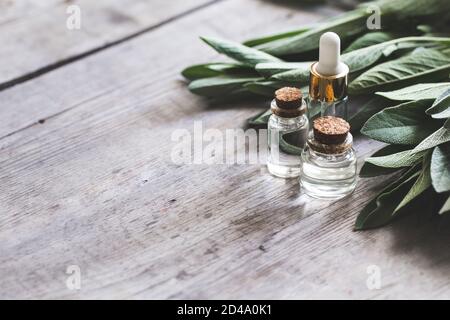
{"x":410,"y":157}
{"x":369,"y":170}
{"x":412,"y":8}
{"x":370,"y":39}
{"x":215,"y":69}
{"x":397,"y":160}
{"x":274,"y":37}
{"x":421,"y":65}
{"x":422,"y":183}
{"x":260,"y":119}
{"x":218,"y":86}
{"x":378,"y":212}
{"x":440,"y":168}
{"x":363,"y":58}
{"x":353,"y":23}
{"x":272,"y":68}
{"x":290,"y":143}
{"x":300,"y":75}
{"x":357,"y":60}
{"x":374,"y":105}
{"x":401,"y":124}
{"x":422,"y":91}
{"x":264,"y":88}
{"x":239,"y":52}
{"x":346,"y":25}
{"x":439,"y":137}
{"x":441,"y":106}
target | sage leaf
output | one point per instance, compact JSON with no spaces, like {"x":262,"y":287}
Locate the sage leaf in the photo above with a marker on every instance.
{"x":363,"y":58}
{"x":369,"y":170}
{"x":353,"y":23}
{"x":346,"y":25}
{"x":422,"y":183}
{"x":357,"y":60}
{"x":267,"y":88}
{"x":278,"y":36}
{"x":239,"y":52}
{"x":300,"y":75}
{"x":370,"y":39}
{"x":214,"y":69}
{"x":421,"y":65}
{"x":401,"y":124}
{"x":397,"y":160}
{"x":409,"y":157}
{"x":360,"y":59}
{"x":270,"y":69}
{"x":441,"y":106}
{"x":218,"y":86}
{"x":440,"y":136}
{"x":447,"y":124}
{"x":290,"y":143}
{"x":261,"y":118}
{"x":440,"y":168}
{"x":378,"y":212}
{"x":421,"y":91}
{"x":200,"y":71}
{"x":264,"y":88}
{"x":412,"y":8}
{"x":446,"y":207}
{"x":371,"y":107}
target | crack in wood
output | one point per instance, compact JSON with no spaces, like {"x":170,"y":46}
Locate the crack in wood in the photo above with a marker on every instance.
{"x":50,"y":67}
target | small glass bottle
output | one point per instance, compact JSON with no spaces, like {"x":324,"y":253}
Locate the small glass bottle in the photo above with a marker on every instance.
{"x":328,"y":160}
{"x":287,"y":133}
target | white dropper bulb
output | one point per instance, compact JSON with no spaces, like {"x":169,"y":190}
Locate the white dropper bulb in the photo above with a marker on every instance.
{"x":329,"y":55}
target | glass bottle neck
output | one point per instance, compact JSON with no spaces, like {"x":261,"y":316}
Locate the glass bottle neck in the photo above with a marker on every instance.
{"x":300,"y":120}
{"x":335,"y":157}
{"x":336,"y":151}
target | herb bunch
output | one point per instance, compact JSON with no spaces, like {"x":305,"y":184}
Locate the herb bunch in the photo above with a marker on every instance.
{"x":412,"y":118}
{"x":417,"y":130}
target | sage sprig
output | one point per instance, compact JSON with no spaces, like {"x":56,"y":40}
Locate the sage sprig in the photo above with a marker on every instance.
{"x":421,"y":65}
{"x":239,"y":52}
{"x":403,"y":70}
{"x":427,"y":163}
{"x":402,"y":124}
{"x":441,"y":107}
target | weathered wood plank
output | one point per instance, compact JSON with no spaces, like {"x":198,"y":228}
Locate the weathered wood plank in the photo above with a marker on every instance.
{"x":19,"y":111}
{"x":35,"y":38}
{"x":94,"y":186}
{"x":15,"y":10}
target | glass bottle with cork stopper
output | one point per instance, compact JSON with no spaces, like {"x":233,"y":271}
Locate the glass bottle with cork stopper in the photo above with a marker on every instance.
{"x":287,"y":133}
{"x":328,"y":160}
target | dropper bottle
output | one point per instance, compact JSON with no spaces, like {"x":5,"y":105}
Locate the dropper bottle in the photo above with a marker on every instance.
{"x":328,"y":80}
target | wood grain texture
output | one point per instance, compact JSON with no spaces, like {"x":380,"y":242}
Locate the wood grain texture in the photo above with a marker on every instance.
{"x":146,"y":61}
{"x":12,"y":10}
{"x":94,"y":185}
{"x":35,"y":38}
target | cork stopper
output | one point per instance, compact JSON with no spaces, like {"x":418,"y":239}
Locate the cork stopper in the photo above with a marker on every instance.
{"x":288,"y":98}
{"x":288,"y":103}
{"x":330,"y":130}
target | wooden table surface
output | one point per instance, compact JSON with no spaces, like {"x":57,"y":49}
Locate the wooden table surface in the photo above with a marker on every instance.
{"x":87,"y":178}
